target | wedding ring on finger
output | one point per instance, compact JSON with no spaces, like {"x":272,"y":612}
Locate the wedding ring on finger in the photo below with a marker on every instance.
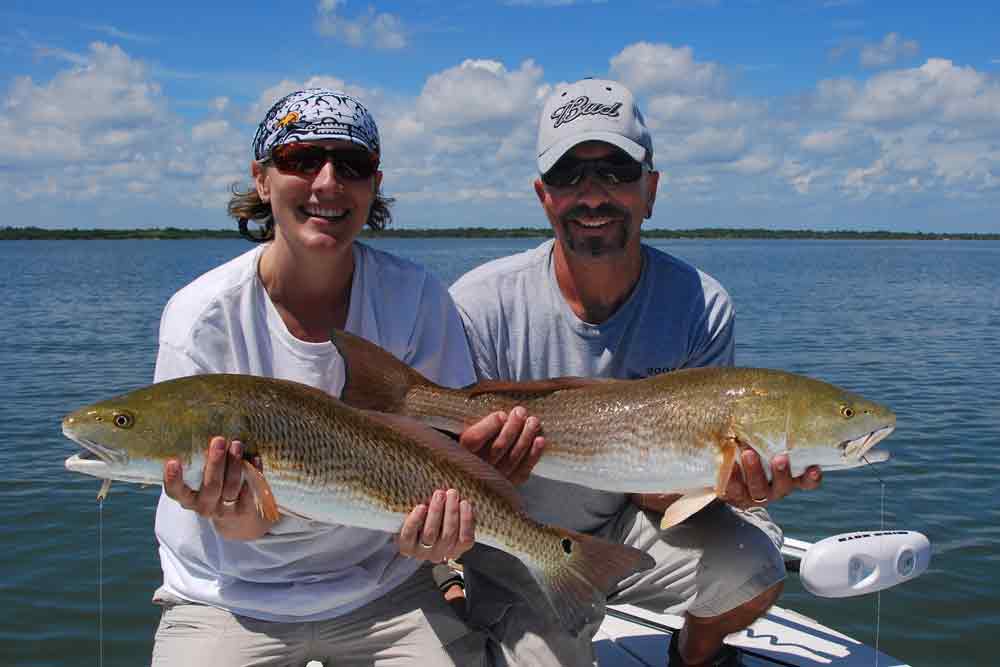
{"x":426,"y":546}
{"x":228,"y":504}
{"x":759,"y":501}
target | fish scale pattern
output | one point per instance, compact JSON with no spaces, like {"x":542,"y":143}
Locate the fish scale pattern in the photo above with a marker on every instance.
{"x":671,"y":431}
{"x":310,"y":439}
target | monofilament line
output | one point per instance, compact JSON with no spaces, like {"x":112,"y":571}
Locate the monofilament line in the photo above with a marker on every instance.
{"x":878,"y":595}
{"x":100,"y":581}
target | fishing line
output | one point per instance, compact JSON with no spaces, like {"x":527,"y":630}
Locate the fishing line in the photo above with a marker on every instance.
{"x":100,"y":581}
{"x":878,"y":595}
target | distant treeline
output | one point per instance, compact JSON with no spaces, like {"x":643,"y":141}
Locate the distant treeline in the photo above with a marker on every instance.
{"x":37,"y":233}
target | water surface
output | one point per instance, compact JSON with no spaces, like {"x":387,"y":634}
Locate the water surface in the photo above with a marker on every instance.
{"x":913,"y":324}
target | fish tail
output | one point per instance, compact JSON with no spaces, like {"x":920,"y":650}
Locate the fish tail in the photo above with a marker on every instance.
{"x":578,"y":585}
{"x":374,"y":379}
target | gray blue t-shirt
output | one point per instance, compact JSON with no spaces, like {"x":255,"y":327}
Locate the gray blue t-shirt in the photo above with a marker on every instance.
{"x":520,"y":328}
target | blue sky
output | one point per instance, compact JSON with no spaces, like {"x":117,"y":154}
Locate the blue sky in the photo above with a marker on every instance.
{"x":823,"y":114}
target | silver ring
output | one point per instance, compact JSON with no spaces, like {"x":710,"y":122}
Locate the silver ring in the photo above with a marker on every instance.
{"x":426,"y":546}
{"x":229,"y":503}
{"x":761,"y":501}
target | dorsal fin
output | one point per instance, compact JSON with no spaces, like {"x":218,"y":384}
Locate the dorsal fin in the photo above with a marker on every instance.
{"x":374,"y":379}
{"x":441,"y":446}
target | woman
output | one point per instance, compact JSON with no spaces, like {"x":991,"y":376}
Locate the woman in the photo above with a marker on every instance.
{"x":238,"y":589}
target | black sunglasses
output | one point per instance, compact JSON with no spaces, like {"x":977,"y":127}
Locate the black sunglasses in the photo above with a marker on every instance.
{"x":308,"y":159}
{"x":612,"y":170}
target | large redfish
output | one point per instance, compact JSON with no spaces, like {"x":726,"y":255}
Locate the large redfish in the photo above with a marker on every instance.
{"x":325,"y":461}
{"x":679,"y":432}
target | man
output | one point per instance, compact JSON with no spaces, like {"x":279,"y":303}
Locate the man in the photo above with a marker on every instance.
{"x":596,"y":302}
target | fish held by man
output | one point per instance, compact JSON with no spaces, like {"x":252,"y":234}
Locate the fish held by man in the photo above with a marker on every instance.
{"x":325,"y":461}
{"x":679,"y":432}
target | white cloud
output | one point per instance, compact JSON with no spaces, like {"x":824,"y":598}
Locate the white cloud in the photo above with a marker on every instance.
{"x":463,"y":195}
{"x":659,"y":68}
{"x":89,"y":112}
{"x":707,"y":145}
{"x":753,"y":165}
{"x":825,"y":141}
{"x":42,"y":51}
{"x":800,"y":176}
{"x":112,"y":31}
{"x":937,"y":90}
{"x":842,"y":140}
{"x":891,"y":49}
{"x":210,"y":130}
{"x":369,"y":28}
{"x":668,"y":110}
{"x":102,"y":131}
{"x":480,"y":91}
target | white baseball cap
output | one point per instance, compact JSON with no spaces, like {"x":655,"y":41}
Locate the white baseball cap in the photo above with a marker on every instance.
{"x":592,"y":110}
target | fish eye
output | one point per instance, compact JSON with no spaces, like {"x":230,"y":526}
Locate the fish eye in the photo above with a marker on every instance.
{"x":123,"y":420}
{"x":847,"y":411}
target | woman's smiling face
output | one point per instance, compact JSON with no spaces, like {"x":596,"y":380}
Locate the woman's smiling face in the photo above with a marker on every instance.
{"x":318,"y":211}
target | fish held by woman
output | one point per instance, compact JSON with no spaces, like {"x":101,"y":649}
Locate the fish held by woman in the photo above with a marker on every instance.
{"x":325,"y":461}
{"x":678,"y":432}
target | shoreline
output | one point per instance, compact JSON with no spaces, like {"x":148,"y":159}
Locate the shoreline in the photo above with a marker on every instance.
{"x":173,"y":233}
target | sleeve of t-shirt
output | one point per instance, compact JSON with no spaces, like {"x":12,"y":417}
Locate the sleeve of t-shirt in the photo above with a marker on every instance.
{"x":715,"y":340}
{"x":173,"y":358}
{"x":438,"y":347}
{"x":172,"y":363}
{"x":471,"y":309}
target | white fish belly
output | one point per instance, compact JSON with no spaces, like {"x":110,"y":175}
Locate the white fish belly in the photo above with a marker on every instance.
{"x":352,"y":507}
{"x":633,"y":471}
{"x":337,"y":505}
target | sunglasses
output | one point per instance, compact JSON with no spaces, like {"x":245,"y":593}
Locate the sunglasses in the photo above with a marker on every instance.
{"x":611,"y":170}
{"x":308,"y":159}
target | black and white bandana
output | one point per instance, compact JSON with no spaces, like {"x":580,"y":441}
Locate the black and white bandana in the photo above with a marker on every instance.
{"x":315,"y":114}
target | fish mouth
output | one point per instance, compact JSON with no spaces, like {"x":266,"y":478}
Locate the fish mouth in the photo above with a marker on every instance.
{"x":95,"y":450}
{"x":862,"y":447}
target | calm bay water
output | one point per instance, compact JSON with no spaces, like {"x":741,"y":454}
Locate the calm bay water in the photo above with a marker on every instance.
{"x":913,"y":324}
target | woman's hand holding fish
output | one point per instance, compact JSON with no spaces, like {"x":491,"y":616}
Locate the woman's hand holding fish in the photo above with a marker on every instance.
{"x":223,"y":497}
{"x":511,"y":443}
{"x":751,"y":489}
{"x":441,"y":529}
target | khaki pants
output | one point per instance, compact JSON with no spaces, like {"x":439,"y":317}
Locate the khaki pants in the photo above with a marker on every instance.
{"x":410,"y":626}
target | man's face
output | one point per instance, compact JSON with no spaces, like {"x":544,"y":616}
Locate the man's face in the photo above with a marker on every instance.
{"x":595,"y":217}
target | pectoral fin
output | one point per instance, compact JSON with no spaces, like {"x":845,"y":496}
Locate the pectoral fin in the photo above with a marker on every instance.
{"x":687,"y":505}
{"x":692,"y":502}
{"x":263,"y":498}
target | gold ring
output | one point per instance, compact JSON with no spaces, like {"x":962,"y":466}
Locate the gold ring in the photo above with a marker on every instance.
{"x":229,"y":503}
{"x":426,"y":546}
{"x":761,"y":501}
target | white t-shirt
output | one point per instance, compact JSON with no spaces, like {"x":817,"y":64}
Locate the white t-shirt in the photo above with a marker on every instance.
{"x":521,"y":328}
{"x":224,"y":322}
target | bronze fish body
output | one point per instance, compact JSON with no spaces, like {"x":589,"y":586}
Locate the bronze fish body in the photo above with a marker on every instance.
{"x":679,"y":432}
{"x":325,"y":461}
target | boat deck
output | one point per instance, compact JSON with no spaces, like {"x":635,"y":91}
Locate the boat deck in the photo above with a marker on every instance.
{"x":633,"y":637}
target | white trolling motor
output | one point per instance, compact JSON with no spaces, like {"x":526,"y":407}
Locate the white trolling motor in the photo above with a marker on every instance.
{"x":856,"y":563}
